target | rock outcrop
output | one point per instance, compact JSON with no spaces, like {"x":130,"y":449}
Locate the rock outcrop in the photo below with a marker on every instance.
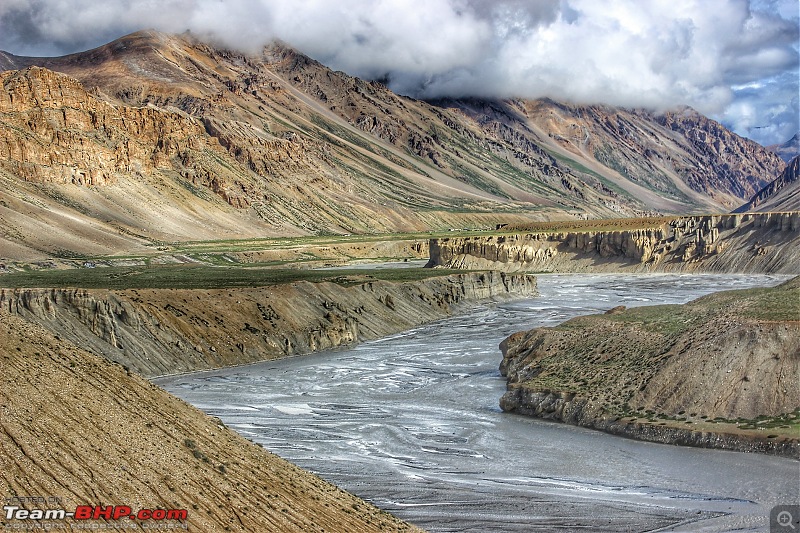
{"x":729,"y":163}
{"x":757,"y":242}
{"x":53,"y":131}
{"x":164,"y":331}
{"x":722,"y":371}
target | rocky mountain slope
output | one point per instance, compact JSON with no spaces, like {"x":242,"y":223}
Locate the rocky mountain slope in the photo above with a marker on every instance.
{"x":82,"y":429}
{"x":165,"y":331}
{"x":756,"y":242}
{"x":788,"y":150}
{"x":721,"y":371}
{"x":165,"y":138}
{"x":681,"y":157}
{"x":783,"y":194}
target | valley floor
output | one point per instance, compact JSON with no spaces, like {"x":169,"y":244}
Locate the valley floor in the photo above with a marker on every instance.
{"x":78,"y":426}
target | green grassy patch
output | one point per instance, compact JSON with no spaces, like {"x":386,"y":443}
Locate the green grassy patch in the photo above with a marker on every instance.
{"x":204,"y":277}
{"x":664,"y":319}
{"x":789,"y":422}
{"x":785,"y":426}
{"x":780,"y":303}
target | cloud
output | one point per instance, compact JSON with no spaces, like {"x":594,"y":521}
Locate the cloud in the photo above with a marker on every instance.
{"x":732,"y":59}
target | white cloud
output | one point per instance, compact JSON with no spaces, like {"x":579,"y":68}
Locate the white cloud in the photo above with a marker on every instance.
{"x":655,"y":54}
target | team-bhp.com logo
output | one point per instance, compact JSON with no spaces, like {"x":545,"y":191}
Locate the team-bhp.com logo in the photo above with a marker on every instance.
{"x":113,"y":515}
{"x":94,"y":512}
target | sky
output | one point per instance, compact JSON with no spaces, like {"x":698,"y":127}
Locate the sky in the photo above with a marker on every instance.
{"x":733,"y":60}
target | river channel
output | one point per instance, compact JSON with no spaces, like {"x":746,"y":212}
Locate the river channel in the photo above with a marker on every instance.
{"x":412,"y":424}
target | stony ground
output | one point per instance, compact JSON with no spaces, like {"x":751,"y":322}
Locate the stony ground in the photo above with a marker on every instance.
{"x":77,"y":427}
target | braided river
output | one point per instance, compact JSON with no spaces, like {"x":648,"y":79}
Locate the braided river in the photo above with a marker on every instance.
{"x":411,"y":423}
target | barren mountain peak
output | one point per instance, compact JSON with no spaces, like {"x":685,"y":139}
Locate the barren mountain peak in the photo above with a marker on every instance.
{"x":788,"y":150}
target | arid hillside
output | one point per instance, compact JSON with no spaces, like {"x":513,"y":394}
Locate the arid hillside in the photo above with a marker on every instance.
{"x":720,"y":371}
{"x":159,"y":138}
{"x":80,"y":428}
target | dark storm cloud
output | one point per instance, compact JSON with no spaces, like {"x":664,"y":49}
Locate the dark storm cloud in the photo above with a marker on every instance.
{"x":732,"y":59}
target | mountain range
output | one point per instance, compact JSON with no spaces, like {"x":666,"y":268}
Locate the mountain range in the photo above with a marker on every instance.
{"x":156,"y":138}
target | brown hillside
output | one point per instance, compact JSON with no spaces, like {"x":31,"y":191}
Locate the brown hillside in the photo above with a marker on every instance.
{"x":80,"y":428}
{"x":782,"y":194}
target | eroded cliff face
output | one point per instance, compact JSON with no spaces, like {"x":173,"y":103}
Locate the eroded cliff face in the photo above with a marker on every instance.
{"x":722,"y":371}
{"x":163,"y":331}
{"x":754,"y":242}
{"x":53,"y":131}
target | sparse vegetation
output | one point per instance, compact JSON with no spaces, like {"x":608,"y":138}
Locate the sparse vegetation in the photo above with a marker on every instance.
{"x":188,"y":276}
{"x":618,"y":224}
{"x":725,"y":345}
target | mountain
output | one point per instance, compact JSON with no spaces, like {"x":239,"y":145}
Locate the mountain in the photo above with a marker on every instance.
{"x":783,"y":194}
{"x":788,"y":150}
{"x":157,"y":138}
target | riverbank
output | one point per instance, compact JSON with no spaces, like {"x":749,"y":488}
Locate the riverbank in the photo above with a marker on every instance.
{"x":164,"y":331}
{"x":74,"y":399}
{"x":722,"y":371}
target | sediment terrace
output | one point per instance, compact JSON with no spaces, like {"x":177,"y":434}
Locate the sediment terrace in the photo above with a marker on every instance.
{"x":746,"y":243}
{"x":722,"y":371}
{"x":163,"y":331}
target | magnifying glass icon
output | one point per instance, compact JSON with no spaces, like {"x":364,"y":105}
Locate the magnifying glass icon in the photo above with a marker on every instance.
{"x":785,"y":519}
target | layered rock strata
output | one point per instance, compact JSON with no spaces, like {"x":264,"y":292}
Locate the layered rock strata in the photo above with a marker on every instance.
{"x":53,"y":131}
{"x":163,"y":331}
{"x":752,"y":242}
